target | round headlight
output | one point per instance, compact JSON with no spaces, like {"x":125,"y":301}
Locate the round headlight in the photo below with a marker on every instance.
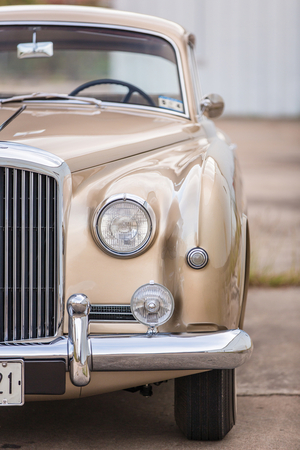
{"x":125,"y":225}
{"x":152,"y":304}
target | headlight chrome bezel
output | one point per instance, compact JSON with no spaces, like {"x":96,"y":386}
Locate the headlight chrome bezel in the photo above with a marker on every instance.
{"x":146,"y":208}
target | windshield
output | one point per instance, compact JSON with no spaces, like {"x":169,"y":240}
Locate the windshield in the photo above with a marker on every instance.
{"x":112,"y":65}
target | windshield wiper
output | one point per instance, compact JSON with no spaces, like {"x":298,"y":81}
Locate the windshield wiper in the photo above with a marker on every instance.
{"x":11,"y":118}
{"x":46,"y":96}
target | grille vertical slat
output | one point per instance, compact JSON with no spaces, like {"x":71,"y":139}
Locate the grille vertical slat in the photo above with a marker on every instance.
{"x":23,"y":224}
{"x":54,"y":274}
{"x":28,"y":264}
{"x":2,"y":248}
{"x":47,"y":259}
{"x":15,"y":256}
{"x":39,"y":277}
{"x":6,"y":313}
{"x":31,"y":250}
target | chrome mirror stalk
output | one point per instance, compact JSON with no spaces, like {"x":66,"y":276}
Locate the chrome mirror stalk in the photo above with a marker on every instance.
{"x":79,"y":351}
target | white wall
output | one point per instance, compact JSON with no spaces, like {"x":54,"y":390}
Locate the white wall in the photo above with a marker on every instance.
{"x":247,"y":50}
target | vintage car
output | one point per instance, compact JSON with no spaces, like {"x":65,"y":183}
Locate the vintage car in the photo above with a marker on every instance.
{"x":124,"y":246}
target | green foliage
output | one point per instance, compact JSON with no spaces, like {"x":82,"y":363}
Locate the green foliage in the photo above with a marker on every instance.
{"x":16,"y":2}
{"x":268,"y":274}
{"x":57,"y":2}
{"x":291,"y":278}
{"x":64,"y":65}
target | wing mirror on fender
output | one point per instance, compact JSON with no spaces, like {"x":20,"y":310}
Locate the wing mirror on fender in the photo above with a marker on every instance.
{"x":212,"y":105}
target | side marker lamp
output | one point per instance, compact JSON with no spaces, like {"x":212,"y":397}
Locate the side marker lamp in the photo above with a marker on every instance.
{"x":197,"y":258}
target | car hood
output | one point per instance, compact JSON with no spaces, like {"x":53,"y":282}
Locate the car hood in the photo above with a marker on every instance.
{"x":88,"y":136}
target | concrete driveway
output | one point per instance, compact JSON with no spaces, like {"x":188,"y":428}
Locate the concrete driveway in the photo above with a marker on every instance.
{"x":269,"y":155}
{"x":268,"y":400}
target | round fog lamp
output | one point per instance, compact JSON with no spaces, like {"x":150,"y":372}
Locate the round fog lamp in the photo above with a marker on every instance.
{"x":152,"y":304}
{"x":197,"y":258}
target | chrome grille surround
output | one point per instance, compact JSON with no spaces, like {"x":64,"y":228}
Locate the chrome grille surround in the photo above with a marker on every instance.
{"x":35,"y":188}
{"x":111,"y":313}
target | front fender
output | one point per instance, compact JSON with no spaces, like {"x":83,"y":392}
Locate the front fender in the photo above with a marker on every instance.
{"x":193,"y":200}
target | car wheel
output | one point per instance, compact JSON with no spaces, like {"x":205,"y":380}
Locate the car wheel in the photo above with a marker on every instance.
{"x":205,"y":404}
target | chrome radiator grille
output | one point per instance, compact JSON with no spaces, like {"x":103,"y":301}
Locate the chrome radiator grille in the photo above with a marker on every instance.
{"x":28,"y":260}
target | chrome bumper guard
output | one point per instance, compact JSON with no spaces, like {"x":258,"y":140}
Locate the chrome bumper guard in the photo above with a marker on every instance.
{"x":137,"y":352}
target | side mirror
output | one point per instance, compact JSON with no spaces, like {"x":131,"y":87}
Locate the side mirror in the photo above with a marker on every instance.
{"x":212,"y":105}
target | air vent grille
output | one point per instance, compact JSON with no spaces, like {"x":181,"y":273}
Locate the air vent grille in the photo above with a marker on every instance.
{"x":111,"y":313}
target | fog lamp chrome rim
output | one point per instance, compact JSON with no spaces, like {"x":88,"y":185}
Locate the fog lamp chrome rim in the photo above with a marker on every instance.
{"x":152,"y":304}
{"x":119,"y":224}
{"x":197,"y":258}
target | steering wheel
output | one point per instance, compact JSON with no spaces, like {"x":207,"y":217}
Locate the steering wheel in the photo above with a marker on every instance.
{"x":131,"y":89}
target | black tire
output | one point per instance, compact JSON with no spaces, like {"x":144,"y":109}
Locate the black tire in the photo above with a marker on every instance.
{"x":205,"y":404}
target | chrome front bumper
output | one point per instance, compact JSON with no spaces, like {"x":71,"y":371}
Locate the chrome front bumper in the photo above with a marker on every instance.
{"x":84,"y":354}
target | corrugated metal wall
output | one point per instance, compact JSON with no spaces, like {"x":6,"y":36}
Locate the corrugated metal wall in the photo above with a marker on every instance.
{"x":247,"y":50}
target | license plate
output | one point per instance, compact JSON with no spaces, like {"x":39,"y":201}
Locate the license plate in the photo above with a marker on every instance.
{"x":11,"y":382}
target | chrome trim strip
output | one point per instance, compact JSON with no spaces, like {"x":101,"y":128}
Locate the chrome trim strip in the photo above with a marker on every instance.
{"x":142,"y":107}
{"x":79,"y":351}
{"x":244,"y":220}
{"x":141,"y":352}
{"x":115,"y":321}
{"x":120,"y":27}
{"x":195,"y":78}
{"x":22,"y":156}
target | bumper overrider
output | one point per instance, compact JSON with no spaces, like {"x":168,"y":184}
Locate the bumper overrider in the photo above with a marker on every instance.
{"x":83,"y":354}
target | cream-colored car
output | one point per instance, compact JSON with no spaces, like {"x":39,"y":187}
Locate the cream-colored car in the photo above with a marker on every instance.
{"x":124,"y":247}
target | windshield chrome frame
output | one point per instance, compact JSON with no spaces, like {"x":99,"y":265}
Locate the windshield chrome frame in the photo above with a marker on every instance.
{"x":186,"y":114}
{"x":195,"y":78}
